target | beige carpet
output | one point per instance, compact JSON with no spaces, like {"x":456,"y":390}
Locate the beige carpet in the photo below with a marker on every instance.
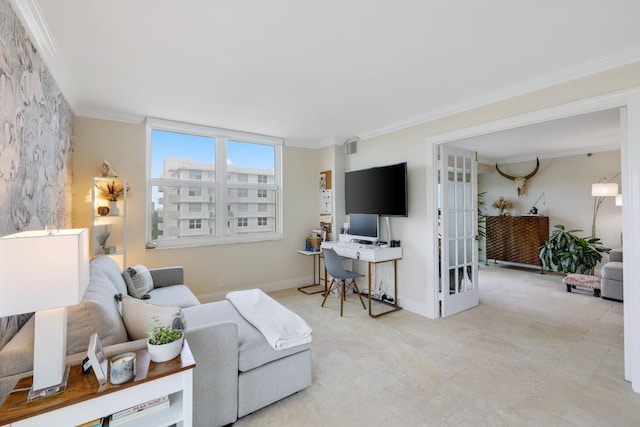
{"x":530,"y":354}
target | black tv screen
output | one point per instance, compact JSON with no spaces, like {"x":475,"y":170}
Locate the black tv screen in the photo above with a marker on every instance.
{"x":380,"y":190}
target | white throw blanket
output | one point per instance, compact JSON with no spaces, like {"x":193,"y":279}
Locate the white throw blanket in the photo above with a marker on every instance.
{"x":281,"y":327}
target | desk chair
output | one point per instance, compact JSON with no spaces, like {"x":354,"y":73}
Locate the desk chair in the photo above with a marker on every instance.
{"x":340,"y":278}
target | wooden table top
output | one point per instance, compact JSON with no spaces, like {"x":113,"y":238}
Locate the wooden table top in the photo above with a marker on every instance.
{"x":81,"y":387}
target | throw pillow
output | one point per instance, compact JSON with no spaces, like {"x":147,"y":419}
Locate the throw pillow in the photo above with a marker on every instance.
{"x":139,"y":316}
{"x":138,"y":279}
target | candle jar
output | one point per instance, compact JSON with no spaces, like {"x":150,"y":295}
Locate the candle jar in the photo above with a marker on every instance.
{"x":122,"y":368}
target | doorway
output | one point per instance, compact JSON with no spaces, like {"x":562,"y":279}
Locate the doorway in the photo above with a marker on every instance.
{"x":629,"y":104}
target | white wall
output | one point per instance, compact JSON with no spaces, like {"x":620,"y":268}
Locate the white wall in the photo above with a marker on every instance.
{"x":566,"y":183}
{"x":269,"y":265}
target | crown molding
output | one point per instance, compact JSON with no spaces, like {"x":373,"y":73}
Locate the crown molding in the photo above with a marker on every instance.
{"x":598,"y":65}
{"x":30,"y":16}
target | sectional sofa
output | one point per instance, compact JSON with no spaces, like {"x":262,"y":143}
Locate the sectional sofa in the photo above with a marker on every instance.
{"x":237,"y":372}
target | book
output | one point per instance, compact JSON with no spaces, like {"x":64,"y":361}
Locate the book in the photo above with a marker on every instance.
{"x":122,"y":419}
{"x":142,"y":406}
{"x":93,"y":423}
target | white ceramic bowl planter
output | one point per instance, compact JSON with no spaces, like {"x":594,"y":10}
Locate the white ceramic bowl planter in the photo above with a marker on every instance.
{"x":165,"y":352}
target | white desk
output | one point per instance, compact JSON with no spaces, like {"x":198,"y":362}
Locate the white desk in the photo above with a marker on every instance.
{"x":372,"y":255}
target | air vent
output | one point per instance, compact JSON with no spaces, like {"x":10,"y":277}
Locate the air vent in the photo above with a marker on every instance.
{"x":351,"y":146}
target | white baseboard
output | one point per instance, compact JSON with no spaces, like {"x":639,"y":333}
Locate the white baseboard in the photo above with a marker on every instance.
{"x":413,"y":306}
{"x":267,"y":287}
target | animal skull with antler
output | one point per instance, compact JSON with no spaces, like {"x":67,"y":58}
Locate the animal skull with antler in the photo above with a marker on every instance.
{"x":520,"y":181}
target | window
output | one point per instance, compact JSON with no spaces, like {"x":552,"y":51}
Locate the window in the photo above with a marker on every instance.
{"x":214,"y":174}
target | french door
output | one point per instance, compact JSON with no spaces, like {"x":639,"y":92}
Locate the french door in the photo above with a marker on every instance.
{"x":457,"y":230}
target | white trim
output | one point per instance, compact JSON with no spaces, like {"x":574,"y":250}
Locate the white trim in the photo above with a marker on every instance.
{"x":630,"y":158}
{"x":30,"y":16}
{"x":597,"y":65}
{"x":266,"y":287}
{"x":192,"y":129}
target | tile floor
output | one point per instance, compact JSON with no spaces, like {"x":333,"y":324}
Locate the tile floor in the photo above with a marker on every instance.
{"x":529,"y":354}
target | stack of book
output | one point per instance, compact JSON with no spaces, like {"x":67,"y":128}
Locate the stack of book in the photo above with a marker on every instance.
{"x":140,"y":410}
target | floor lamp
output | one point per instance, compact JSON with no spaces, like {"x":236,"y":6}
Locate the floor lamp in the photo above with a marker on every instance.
{"x":45,"y":272}
{"x":600,"y":190}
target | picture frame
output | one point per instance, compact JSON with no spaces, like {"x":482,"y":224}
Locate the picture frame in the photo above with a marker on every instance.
{"x":98,"y":359}
{"x":325,"y":180}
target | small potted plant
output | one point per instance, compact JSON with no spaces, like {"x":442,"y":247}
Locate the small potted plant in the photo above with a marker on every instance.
{"x":164,"y":343}
{"x":502,"y":205}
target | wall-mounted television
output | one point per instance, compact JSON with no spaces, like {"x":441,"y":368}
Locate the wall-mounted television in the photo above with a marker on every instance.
{"x":380,"y":190}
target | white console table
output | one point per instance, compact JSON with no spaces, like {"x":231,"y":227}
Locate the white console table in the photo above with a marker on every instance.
{"x":373,"y":256}
{"x":85,"y":400}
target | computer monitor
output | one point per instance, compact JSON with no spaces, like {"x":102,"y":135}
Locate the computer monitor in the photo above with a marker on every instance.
{"x":363,"y":227}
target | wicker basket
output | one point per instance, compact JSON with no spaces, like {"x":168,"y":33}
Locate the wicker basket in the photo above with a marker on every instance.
{"x":314,"y":242}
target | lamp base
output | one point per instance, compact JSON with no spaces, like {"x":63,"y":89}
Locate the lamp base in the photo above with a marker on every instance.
{"x":51,"y":390}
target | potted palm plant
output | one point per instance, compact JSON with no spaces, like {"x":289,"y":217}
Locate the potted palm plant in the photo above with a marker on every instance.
{"x":569,"y":253}
{"x":164,"y":343}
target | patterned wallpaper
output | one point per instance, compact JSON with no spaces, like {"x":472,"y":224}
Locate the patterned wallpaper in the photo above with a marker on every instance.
{"x":35,"y":143}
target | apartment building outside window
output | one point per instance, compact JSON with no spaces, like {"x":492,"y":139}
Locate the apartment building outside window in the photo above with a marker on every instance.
{"x":200,"y":180}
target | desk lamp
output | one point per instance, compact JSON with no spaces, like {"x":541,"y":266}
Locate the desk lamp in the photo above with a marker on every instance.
{"x":45,"y":272}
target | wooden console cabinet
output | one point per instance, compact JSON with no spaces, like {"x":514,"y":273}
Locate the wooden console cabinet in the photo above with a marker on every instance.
{"x":516,"y":238}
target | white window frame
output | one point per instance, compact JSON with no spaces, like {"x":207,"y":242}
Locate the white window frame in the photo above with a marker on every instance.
{"x":221,"y":184}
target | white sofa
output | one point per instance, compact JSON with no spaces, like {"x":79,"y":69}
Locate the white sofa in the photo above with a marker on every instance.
{"x":237,"y":372}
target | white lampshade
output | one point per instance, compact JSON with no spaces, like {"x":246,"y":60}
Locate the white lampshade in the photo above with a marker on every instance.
{"x":604,"y":189}
{"x":45,"y":271}
{"x":39,"y":270}
{"x":619,"y":200}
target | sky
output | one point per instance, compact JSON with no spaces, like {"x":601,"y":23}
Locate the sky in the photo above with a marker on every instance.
{"x":202,"y":149}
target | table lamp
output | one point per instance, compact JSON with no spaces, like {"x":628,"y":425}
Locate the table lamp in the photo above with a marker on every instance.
{"x":45,"y":272}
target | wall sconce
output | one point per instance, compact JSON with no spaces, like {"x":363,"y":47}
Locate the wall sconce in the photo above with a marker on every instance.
{"x":619,"y":200}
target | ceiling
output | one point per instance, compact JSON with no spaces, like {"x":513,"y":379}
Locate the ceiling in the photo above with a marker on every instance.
{"x":586,"y":133}
{"x":316,"y":73}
